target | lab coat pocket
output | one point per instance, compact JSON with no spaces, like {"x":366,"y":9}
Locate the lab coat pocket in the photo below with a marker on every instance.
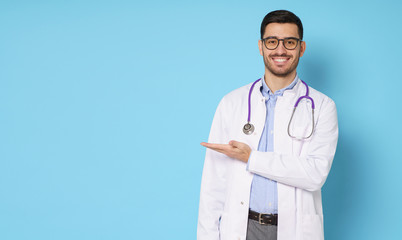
{"x":313,"y":227}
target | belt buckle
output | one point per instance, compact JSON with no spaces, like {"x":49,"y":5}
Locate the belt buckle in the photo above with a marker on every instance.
{"x":260,"y":219}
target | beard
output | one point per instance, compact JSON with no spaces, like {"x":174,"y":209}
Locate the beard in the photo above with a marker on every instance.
{"x":281,"y":72}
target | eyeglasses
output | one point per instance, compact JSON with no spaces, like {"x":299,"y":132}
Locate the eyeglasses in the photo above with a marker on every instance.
{"x":289,"y":43}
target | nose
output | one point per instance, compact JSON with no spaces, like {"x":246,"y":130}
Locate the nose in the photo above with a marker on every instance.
{"x":281,"y":48}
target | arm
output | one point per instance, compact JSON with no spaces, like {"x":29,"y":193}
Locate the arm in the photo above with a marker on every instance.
{"x":213,"y":185}
{"x":309,"y":171}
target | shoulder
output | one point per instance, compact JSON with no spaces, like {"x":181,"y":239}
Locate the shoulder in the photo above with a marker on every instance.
{"x":320,"y":99}
{"x":237,"y":96}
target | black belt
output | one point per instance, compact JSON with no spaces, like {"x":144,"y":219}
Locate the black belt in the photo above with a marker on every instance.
{"x":271,"y":219}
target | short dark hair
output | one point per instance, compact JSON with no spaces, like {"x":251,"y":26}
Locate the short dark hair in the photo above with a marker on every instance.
{"x":281,"y":16}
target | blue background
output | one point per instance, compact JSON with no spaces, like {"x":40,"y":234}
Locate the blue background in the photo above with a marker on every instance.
{"x":103,"y":105}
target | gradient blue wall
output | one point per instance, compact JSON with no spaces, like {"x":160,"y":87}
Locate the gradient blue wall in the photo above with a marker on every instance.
{"x":103,"y":105}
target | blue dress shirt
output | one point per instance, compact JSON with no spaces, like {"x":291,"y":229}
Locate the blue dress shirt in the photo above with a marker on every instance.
{"x":264,"y":193}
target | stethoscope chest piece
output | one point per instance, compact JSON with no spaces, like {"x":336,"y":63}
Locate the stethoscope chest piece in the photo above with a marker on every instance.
{"x":248,"y":128}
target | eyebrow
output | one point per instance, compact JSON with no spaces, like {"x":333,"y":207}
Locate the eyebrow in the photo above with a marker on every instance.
{"x":278,"y":37}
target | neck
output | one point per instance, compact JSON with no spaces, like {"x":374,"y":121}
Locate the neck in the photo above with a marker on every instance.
{"x":275,"y":82}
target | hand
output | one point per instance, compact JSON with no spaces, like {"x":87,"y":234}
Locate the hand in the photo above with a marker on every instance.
{"x":234,"y":149}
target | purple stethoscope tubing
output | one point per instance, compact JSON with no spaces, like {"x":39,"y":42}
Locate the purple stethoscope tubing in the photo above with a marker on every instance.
{"x":312,"y":113}
{"x":249,"y":128}
{"x":249,"y":99}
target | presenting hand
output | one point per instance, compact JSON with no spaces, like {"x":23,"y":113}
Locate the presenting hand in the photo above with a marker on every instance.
{"x":234,"y":149}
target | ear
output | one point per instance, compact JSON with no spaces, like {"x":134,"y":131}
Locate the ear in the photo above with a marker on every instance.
{"x":260,"y":47}
{"x":302,"y":48}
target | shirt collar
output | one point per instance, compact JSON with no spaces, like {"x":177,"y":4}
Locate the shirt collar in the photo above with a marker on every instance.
{"x":267,"y":92}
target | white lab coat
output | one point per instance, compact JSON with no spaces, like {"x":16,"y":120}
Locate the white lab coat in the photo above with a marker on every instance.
{"x":299,"y":167}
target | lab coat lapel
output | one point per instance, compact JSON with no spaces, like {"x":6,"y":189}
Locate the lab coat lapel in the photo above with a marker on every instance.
{"x":258,"y":114}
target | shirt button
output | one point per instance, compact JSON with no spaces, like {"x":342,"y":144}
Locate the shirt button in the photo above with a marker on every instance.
{"x":272,"y":132}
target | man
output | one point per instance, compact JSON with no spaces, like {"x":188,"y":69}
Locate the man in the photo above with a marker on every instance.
{"x":263,"y":180}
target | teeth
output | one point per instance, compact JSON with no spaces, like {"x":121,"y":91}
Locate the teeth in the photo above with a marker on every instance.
{"x":280,"y":59}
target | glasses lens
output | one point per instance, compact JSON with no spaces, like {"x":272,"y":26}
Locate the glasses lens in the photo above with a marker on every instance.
{"x":290,"y":43}
{"x":271,"y":43}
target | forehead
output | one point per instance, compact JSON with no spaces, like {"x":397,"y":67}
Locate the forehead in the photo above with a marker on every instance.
{"x":281,"y":30}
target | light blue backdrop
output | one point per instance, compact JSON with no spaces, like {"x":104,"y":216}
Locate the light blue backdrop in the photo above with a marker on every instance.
{"x":103,"y":105}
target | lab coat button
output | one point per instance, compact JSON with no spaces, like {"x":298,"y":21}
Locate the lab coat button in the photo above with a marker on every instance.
{"x":241,"y":203}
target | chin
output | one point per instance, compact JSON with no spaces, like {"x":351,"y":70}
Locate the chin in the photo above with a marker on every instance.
{"x":283,"y":73}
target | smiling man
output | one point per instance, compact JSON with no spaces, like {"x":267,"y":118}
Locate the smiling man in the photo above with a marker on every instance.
{"x":270,"y":149}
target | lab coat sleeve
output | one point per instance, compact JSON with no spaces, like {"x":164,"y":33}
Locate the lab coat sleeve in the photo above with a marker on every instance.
{"x":213,"y":184}
{"x":308,"y":171}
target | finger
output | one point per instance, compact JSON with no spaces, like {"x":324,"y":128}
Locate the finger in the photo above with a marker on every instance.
{"x":211,"y":145}
{"x":216,"y":146}
{"x":223,"y":148}
{"x":223,"y":151}
{"x":206,"y":144}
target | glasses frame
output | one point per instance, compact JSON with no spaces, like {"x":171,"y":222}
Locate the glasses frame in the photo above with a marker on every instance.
{"x":283,"y":42}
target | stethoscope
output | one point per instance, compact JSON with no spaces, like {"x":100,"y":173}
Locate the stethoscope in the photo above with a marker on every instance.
{"x":249,"y":128}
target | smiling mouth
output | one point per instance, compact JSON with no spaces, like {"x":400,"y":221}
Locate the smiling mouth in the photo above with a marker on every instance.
{"x":280,"y":59}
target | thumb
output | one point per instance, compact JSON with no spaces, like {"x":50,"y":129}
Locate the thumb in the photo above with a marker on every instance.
{"x":235,"y":144}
